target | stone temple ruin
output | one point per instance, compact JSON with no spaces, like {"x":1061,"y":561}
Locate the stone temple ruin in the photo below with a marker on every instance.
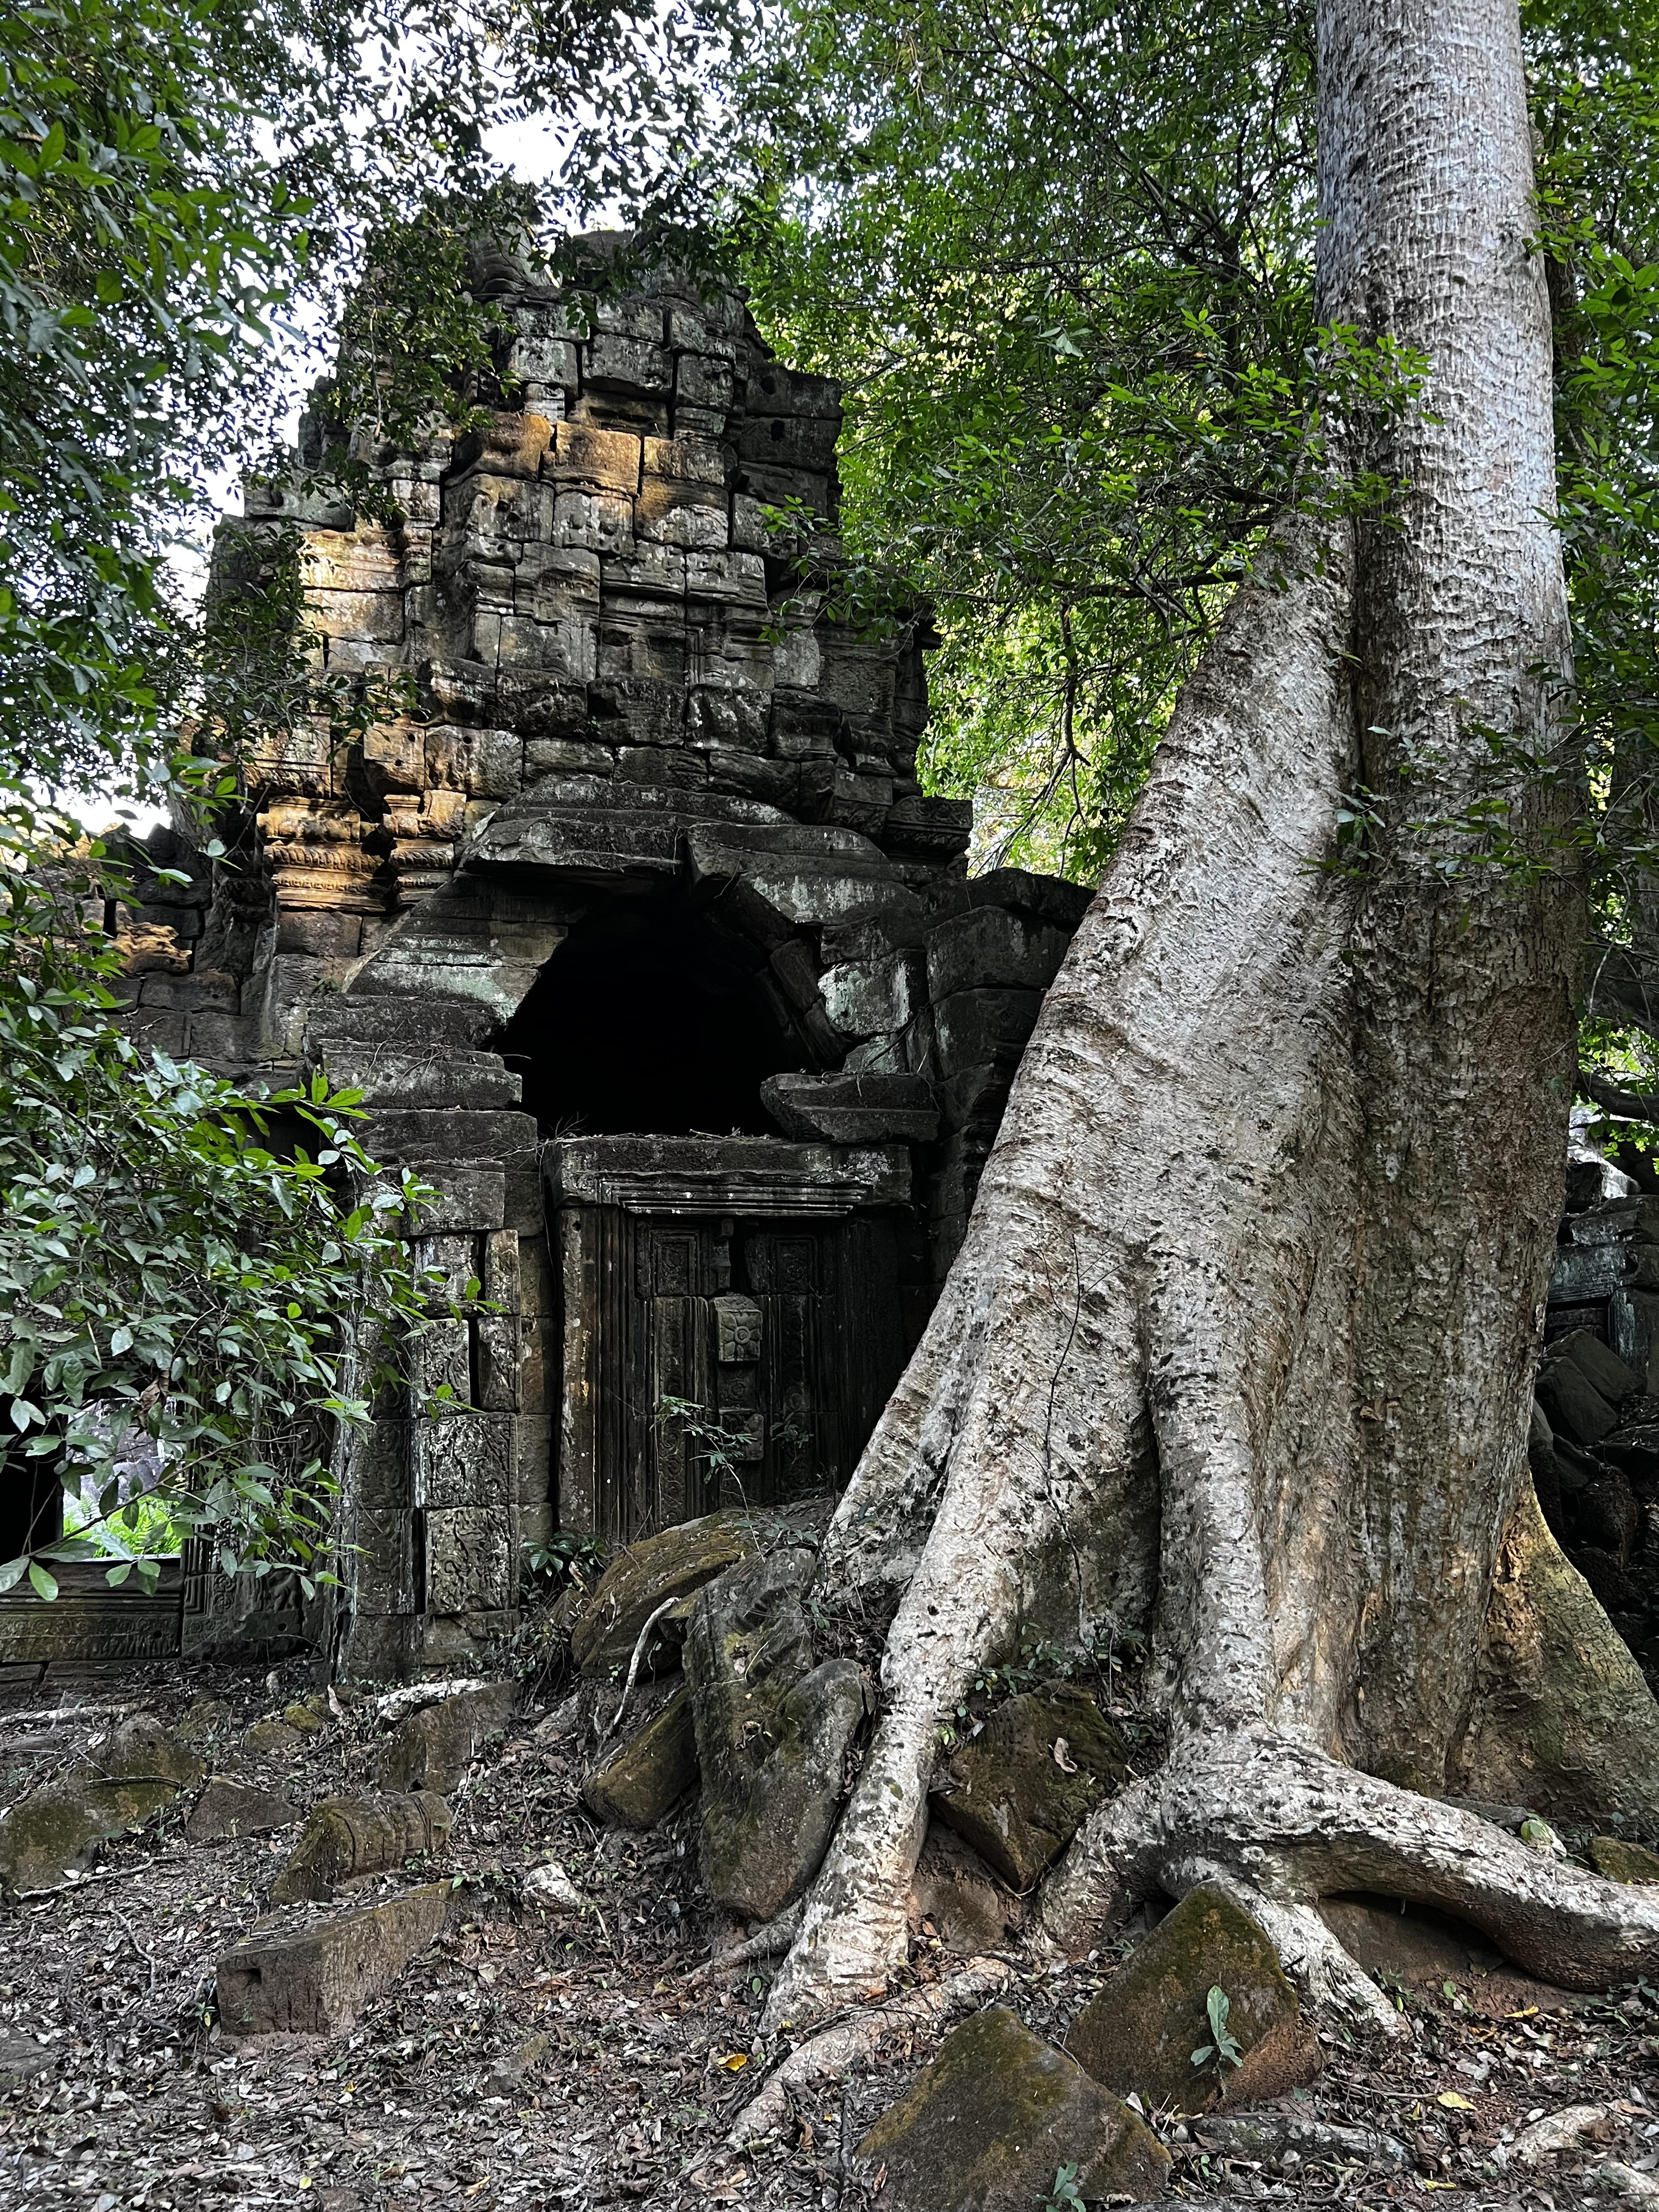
{"x":642,"y":940}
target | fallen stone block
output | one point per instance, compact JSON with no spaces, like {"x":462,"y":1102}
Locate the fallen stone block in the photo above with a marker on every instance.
{"x":1140,"y":2032}
{"x":673,"y":1565}
{"x":204,"y":1719}
{"x":433,"y":1748}
{"x":272,"y":1739}
{"x":316,"y":1981}
{"x":773,"y":1733}
{"x":55,"y":1832}
{"x":956,"y":1896}
{"x":635,"y":1784}
{"x":1599,"y":1364}
{"x":141,"y":1749}
{"x":1620,"y":1861}
{"x":1573,"y":1406}
{"x":993,"y":2120}
{"x":22,"y":2059}
{"x":346,"y":1837}
{"x":1020,"y":1789}
{"x":227,"y":1808}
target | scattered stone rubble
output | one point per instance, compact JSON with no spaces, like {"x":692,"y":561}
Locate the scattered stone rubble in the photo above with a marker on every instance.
{"x":534,"y":2020}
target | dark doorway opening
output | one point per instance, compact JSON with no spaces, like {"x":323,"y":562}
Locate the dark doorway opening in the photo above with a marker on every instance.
{"x":648,"y":1019}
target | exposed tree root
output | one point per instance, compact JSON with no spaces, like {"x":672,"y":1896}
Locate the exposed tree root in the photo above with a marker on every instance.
{"x":828,"y":2056}
{"x":769,"y":1941}
{"x":1265,"y":1809}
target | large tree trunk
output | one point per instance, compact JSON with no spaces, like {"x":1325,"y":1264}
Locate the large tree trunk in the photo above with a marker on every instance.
{"x":1237,"y":1351}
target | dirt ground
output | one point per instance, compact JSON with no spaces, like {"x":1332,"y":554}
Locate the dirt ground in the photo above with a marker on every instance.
{"x":542,"y":2055}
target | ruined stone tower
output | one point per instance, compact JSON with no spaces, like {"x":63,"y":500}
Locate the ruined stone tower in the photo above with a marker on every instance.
{"x":643,"y":942}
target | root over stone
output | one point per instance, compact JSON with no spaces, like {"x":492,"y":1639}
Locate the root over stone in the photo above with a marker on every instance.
{"x":1238,"y":1352}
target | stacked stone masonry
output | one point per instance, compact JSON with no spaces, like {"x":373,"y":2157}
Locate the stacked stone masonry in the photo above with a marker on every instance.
{"x":638,"y":934}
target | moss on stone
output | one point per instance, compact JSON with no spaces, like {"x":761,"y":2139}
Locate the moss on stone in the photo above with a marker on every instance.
{"x":270,"y":1738}
{"x":773,"y":1733}
{"x":1140,"y":2032}
{"x":143,"y":1750}
{"x":1020,"y":1789}
{"x":986,"y":2126}
{"x":57,"y":1830}
{"x":1621,"y":1861}
{"x":637,"y":1784}
{"x":675,"y":1563}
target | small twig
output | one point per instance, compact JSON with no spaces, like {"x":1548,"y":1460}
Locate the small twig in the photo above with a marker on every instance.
{"x":146,"y":1956}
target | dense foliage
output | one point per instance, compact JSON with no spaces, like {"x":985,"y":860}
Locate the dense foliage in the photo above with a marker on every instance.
{"x":183,"y":1295}
{"x":187,"y":192}
{"x":1063,"y":259}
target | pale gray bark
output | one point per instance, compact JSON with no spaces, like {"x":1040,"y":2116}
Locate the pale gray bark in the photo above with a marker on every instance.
{"x":1237,"y":1349}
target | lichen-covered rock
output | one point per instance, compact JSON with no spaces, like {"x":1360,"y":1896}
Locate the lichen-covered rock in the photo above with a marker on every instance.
{"x":142,"y":1749}
{"x":1140,"y":2032}
{"x":675,"y":1563}
{"x":1622,"y":1860}
{"x":47,"y":1837}
{"x":773,"y":1733}
{"x":205,"y":1719}
{"x":346,"y":1837}
{"x":317,"y":1981}
{"x":272,"y":1739}
{"x":1020,"y":1789}
{"x":637,"y":1782}
{"x":434,"y":1747}
{"x":227,"y":1808}
{"x":1288,"y":2140}
{"x":986,"y":2127}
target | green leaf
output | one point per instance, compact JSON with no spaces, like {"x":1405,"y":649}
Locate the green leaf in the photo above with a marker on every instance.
{"x":44,"y":1584}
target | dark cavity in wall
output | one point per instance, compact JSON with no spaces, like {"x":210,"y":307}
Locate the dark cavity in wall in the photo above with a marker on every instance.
{"x":648,"y":1019}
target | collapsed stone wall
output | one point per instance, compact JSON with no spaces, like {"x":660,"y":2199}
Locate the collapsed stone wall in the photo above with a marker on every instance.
{"x":636,"y":734}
